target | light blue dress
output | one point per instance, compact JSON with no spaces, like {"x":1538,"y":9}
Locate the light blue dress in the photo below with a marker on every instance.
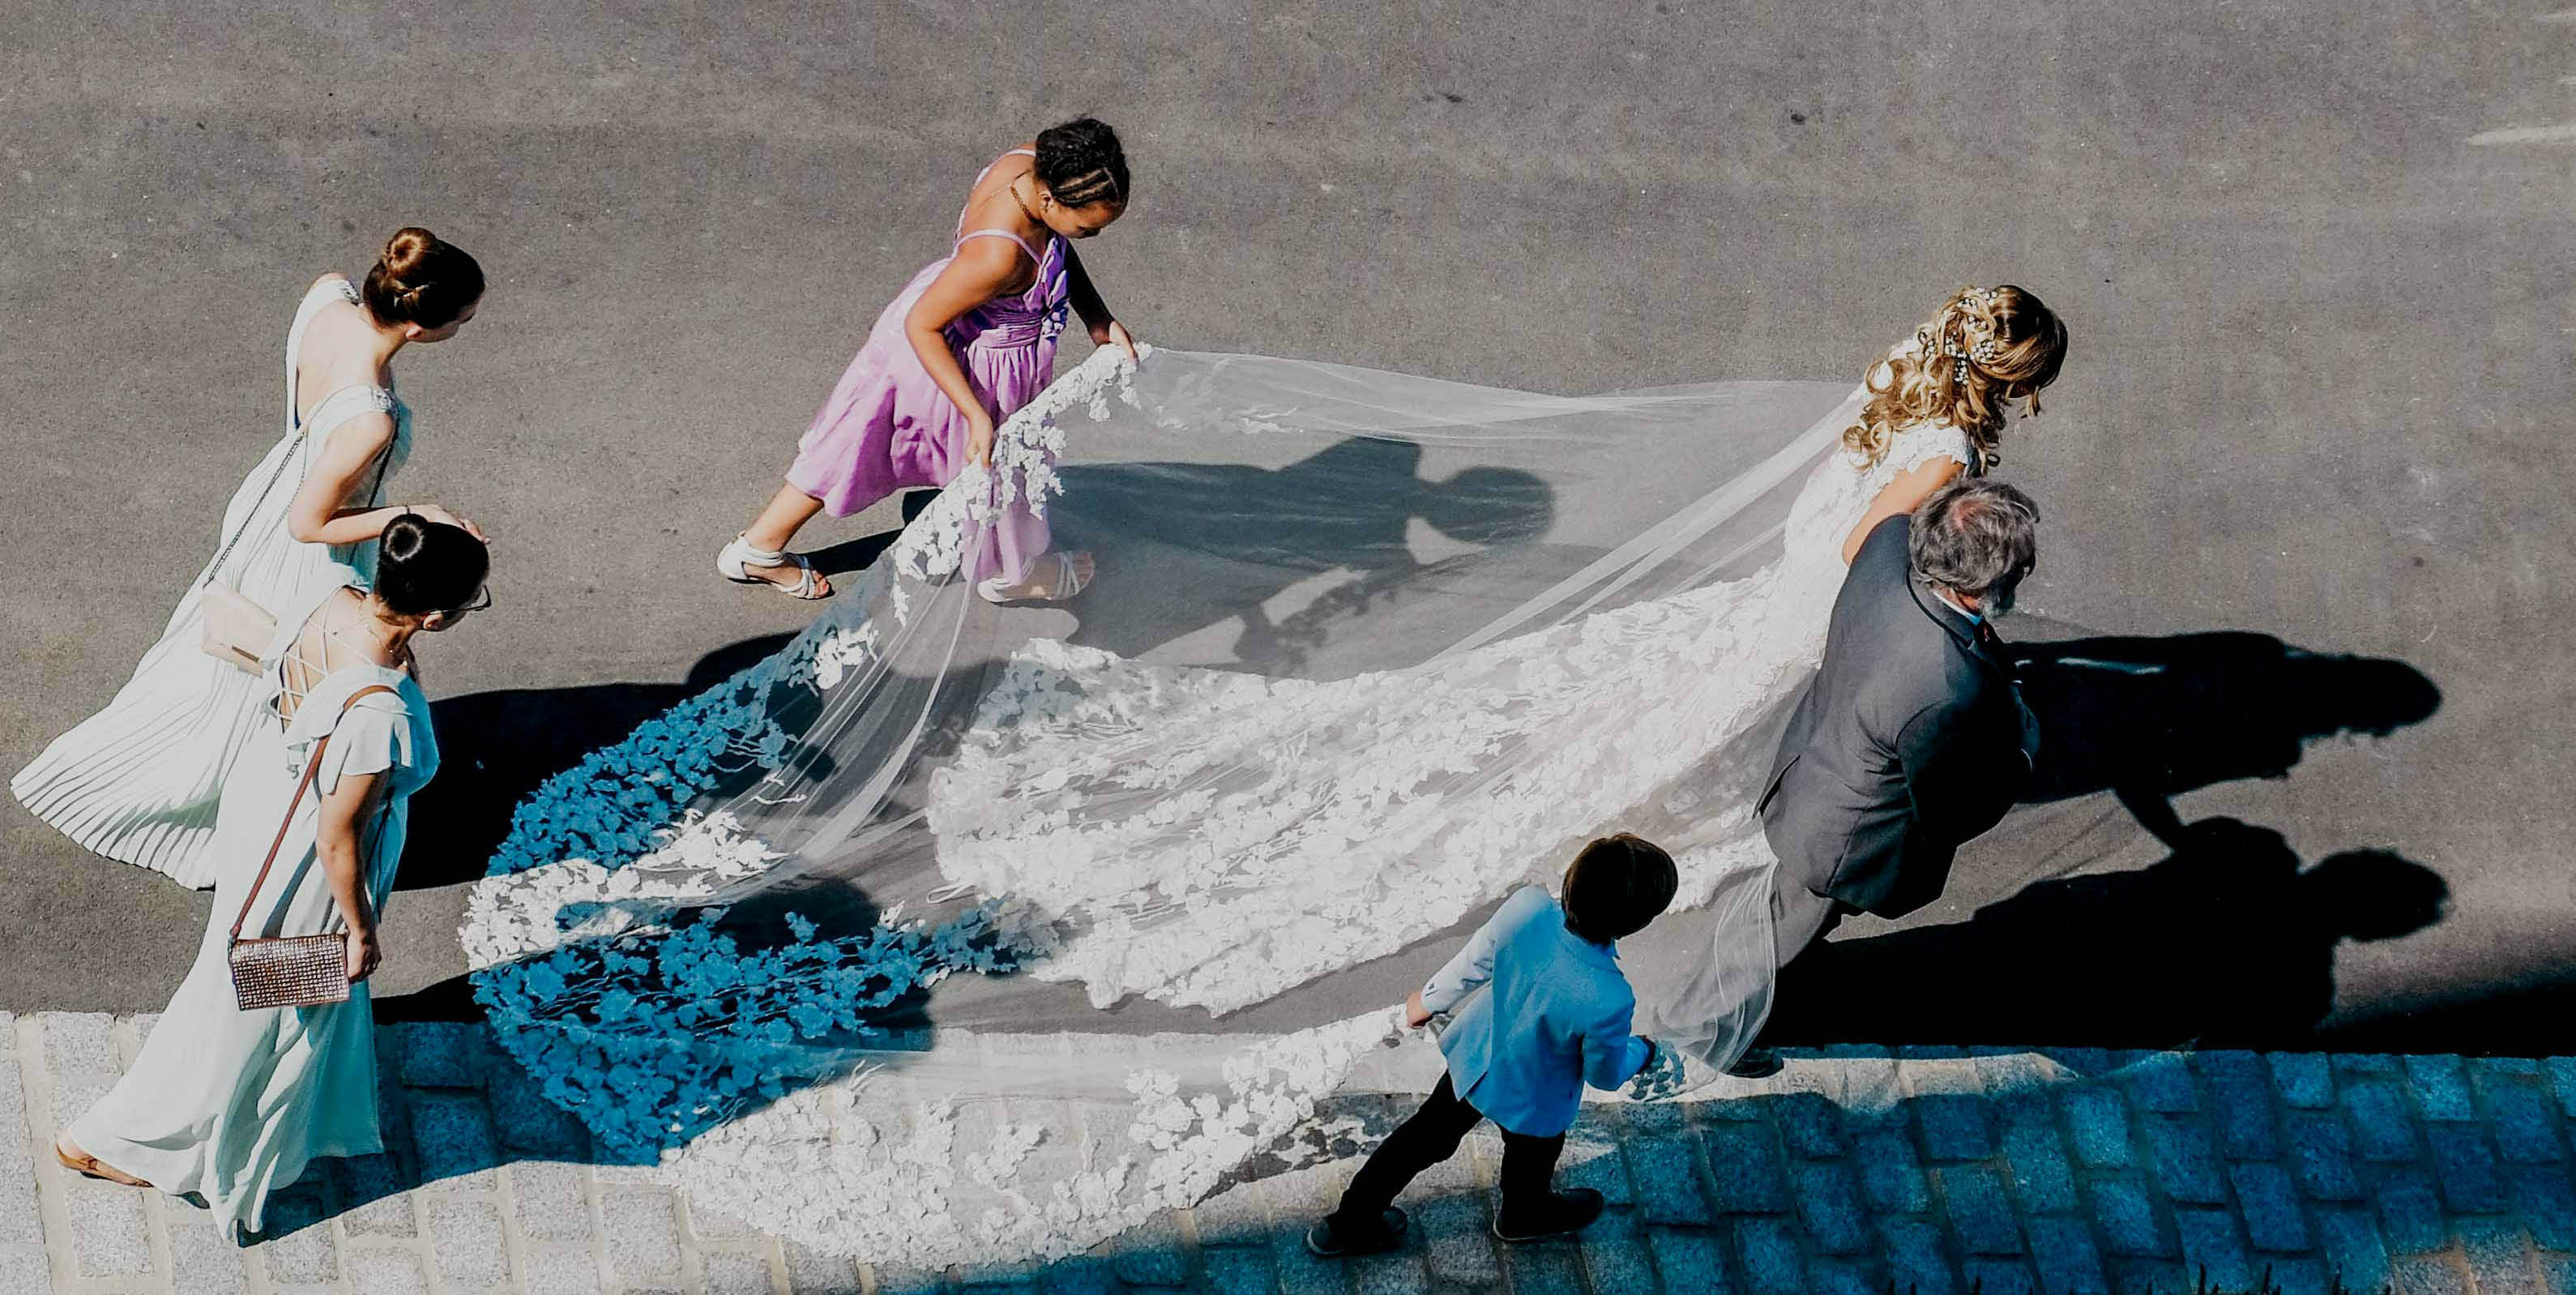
{"x":232,"y":1105}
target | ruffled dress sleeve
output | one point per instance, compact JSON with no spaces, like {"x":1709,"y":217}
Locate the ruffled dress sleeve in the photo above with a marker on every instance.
{"x":377,"y":735}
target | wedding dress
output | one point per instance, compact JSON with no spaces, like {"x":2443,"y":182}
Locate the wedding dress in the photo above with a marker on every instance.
{"x":952,"y":932}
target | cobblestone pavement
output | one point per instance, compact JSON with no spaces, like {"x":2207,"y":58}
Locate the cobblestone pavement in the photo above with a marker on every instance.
{"x":2057,"y":1171}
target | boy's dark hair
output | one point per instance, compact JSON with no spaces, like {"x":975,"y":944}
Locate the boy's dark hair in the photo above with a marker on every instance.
{"x":1617,"y":885}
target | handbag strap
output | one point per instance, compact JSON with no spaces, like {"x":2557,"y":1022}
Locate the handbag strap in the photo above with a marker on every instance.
{"x":375,"y":496}
{"x":312,"y":765}
{"x":216,"y":567}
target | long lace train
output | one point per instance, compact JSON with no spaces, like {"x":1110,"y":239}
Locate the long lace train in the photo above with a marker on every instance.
{"x":953,"y":931}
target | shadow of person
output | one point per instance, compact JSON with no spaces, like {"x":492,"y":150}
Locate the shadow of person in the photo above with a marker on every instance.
{"x":2148,"y":719}
{"x":497,"y":747}
{"x":2227,"y":942}
{"x":1186,"y":549}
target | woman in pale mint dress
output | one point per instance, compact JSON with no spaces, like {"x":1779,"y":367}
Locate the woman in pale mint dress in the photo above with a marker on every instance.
{"x":231,"y":1105}
{"x":140,"y":780}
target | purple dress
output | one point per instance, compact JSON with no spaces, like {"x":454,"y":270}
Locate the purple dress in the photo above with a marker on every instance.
{"x":888,"y":427}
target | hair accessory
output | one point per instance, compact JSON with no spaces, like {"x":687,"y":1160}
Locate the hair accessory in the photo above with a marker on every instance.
{"x":1983,"y":352}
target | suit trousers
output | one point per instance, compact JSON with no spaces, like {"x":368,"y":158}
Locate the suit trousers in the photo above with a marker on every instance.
{"x":1799,"y":917}
{"x":1433,"y":1135}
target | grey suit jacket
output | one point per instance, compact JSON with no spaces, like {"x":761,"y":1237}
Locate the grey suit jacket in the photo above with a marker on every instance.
{"x":1907,"y":743}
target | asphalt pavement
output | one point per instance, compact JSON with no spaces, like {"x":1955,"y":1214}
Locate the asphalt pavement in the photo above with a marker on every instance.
{"x":2313,"y":257}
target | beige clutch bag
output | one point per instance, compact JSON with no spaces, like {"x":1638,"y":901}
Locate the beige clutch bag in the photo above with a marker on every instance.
{"x":237,"y":630}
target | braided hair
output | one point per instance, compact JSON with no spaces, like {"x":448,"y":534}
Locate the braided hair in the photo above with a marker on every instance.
{"x":1080,"y":162}
{"x":421,"y":280}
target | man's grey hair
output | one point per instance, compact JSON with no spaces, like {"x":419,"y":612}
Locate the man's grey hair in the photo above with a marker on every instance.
{"x":1975,"y":537}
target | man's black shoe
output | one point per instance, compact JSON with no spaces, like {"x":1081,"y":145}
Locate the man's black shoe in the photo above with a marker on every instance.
{"x":1334,"y":1243}
{"x":1570,"y":1212}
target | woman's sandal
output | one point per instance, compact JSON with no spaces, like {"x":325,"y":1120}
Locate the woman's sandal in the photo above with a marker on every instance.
{"x":734,"y":563}
{"x":90,"y":1166}
{"x":1069,"y":585}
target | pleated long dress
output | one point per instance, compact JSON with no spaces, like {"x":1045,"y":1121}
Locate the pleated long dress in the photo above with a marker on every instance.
{"x":141,"y":780}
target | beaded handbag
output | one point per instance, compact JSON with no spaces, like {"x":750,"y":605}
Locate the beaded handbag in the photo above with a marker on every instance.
{"x":293,"y":970}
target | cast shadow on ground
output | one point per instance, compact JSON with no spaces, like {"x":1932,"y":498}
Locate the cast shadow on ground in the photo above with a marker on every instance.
{"x":1340,"y":522}
{"x":2229,"y":941}
{"x":849,"y":557}
{"x":1239,"y":564}
{"x":2148,"y":719}
{"x":495,"y":748}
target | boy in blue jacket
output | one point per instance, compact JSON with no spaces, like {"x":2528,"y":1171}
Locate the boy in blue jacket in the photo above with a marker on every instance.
{"x":1557,"y":1015}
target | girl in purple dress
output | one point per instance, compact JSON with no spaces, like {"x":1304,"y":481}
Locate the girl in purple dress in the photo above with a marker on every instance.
{"x":971,"y":339}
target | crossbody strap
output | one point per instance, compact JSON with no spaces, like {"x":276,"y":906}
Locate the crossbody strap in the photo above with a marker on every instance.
{"x":375,"y":496}
{"x":215,"y":568}
{"x":312,"y":765}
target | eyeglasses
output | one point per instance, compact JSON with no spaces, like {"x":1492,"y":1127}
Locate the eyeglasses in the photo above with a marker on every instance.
{"x":482,"y":602}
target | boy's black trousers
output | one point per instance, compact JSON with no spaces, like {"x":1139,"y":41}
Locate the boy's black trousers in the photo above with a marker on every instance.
{"x":1433,"y":1135}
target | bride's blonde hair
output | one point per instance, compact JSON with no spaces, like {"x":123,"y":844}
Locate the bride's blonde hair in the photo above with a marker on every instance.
{"x":1987,"y":346}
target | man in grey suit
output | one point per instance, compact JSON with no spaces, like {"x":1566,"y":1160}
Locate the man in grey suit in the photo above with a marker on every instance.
{"x":1912,"y":738}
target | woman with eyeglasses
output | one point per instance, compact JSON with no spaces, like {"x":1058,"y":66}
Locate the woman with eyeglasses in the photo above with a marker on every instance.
{"x":229,"y":1104}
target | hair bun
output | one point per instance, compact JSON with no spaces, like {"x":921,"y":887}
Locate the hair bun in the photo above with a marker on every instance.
{"x":421,"y":279}
{"x":404,"y":537}
{"x":405,"y":252}
{"x":424,"y":566}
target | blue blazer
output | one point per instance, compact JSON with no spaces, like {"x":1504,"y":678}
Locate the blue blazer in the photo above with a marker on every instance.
{"x":1556,"y":1015}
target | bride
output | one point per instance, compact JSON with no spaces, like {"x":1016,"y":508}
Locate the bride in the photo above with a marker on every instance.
{"x":948,"y":931}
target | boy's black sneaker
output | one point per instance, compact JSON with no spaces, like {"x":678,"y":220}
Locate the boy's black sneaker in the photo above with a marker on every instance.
{"x":1334,"y":1243}
{"x":1567,"y":1213}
